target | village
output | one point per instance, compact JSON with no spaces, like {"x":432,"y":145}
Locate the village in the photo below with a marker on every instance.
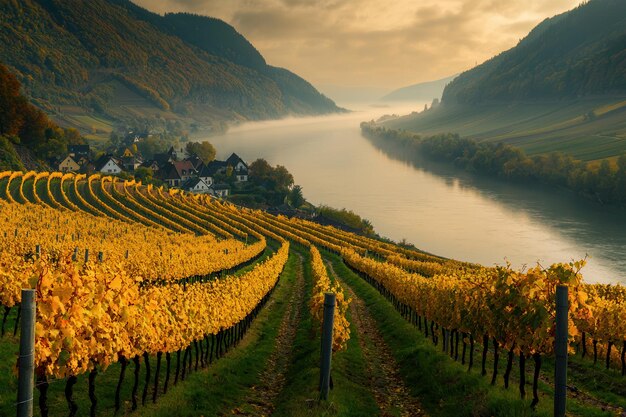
{"x":256,"y":185}
{"x":176,"y":168}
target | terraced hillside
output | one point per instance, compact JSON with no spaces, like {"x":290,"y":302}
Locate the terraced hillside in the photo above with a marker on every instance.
{"x":167,"y":303}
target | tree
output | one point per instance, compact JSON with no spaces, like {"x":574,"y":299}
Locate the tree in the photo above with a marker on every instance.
{"x":35,"y":127}
{"x":260,"y":171}
{"x":11,"y":103}
{"x":282,"y":178}
{"x":144,"y":175}
{"x":203,"y":150}
{"x":152,"y":145}
{"x":295,"y":197}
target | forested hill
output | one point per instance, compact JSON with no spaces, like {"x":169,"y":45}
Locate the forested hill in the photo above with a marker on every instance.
{"x":578,"y":53}
{"x":109,"y":56}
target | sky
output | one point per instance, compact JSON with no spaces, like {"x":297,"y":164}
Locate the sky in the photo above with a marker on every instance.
{"x":374,"y":46}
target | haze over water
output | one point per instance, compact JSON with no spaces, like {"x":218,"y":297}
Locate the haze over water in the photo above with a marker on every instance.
{"x":440,"y":209}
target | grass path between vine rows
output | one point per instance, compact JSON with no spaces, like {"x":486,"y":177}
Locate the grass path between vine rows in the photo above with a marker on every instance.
{"x":260,"y":399}
{"x":389,"y":389}
{"x":300,"y":396}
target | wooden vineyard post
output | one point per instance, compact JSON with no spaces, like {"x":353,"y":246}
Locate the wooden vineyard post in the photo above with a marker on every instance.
{"x":27,"y":355}
{"x":560,"y":350}
{"x":327,"y":344}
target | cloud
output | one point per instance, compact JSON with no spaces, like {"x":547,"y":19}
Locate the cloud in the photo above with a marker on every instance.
{"x":375,"y":43}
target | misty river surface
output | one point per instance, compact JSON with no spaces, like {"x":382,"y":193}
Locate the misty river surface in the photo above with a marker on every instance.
{"x":437,"y":207}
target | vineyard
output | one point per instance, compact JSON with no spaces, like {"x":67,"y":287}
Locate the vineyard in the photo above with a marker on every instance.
{"x":127,"y":275}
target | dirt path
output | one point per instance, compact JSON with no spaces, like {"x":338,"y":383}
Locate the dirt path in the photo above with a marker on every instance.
{"x":261,"y":398}
{"x":390,"y":391}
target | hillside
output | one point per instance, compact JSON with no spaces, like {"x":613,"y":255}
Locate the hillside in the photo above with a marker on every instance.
{"x":575,"y":54}
{"x":426,"y":91}
{"x":562,"y":88}
{"x":83,"y":60}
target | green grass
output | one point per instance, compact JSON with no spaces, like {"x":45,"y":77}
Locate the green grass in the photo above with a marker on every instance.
{"x":300,"y":397}
{"x":94,"y":122}
{"x":42,"y":191}
{"x":3,"y":188}
{"x":14,"y":190}
{"x":537,"y":128}
{"x":9,"y":350}
{"x":55,"y":189}
{"x":444,"y":386}
{"x":29,"y":190}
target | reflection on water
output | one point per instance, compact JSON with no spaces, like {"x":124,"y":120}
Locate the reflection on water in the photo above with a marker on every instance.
{"x":440,"y":209}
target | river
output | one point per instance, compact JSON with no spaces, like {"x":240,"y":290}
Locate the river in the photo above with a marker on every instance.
{"x":437,"y":207}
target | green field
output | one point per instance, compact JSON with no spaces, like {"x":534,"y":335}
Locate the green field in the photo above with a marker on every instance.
{"x":588,"y":129}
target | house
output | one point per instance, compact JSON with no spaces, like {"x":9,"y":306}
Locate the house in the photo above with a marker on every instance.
{"x":152,"y":164}
{"x":68,"y":165}
{"x":177,"y":172}
{"x":82,"y":160}
{"x":162,"y":159}
{"x":178,"y":153}
{"x":216,"y":167}
{"x":131,"y":163}
{"x":197,"y":162}
{"x":219,"y":190}
{"x":237,"y":163}
{"x":196,"y":185}
{"x":207,"y":173}
{"x":107,"y":164}
{"x":78,"y":151}
{"x":240,"y":168}
{"x":87,"y":168}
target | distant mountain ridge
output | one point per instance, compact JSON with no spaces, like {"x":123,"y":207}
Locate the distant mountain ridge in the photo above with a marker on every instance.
{"x":114,"y":58}
{"x":425,"y":91}
{"x":578,"y":53}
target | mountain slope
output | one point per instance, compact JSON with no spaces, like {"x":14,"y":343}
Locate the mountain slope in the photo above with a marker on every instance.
{"x":578,"y":53}
{"x":207,"y":34}
{"x":426,"y":91}
{"x":562,"y":88}
{"x":93,"y":55}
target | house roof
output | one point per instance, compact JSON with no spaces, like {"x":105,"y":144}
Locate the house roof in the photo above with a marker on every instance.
{"x":177,"y":169}
{"x":150,"y":163}
{"x":193,"y":182}
{"x":212,"y":168}
{"x":66,"y":158}
{"x":197,"y":162}
{"x":103,"y":160}
{"x":162,"y":158}
{"x":234,"y":159}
